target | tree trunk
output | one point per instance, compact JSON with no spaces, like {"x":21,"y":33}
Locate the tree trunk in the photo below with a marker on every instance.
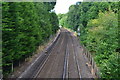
{"x":19,"y":64}
{"x":12,"y":66}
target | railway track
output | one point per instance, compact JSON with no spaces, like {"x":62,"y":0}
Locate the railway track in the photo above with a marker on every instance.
{"x":76,"y":60}
{"x":67,"y":60}
{"x":65,"y":69}
{"x":45,"y":61}
{"x":52,"y":59}
{"x":60,"y":60}
{"x":35,"y":67}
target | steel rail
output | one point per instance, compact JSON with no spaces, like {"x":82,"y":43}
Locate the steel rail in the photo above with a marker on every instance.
{"x":75,"y":57}
{"x":65,"y":68}
{"x":51,"y":45}
{"x":41,"y":67}
{"x":49,"y":56}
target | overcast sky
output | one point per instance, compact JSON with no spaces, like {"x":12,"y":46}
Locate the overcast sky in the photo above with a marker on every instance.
{"x":62,"y":6}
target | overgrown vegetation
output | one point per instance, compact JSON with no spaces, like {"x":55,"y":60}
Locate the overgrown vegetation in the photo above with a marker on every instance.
{"x":98,"y":24}
{"x":26,"y":25}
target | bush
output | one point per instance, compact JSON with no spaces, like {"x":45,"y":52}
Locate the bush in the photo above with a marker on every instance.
{"x":102,"y":37}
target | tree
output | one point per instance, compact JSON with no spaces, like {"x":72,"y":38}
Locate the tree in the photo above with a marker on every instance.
{"x":26,"y":25}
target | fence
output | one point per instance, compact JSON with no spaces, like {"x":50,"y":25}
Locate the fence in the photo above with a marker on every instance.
{"x":93,"y":67}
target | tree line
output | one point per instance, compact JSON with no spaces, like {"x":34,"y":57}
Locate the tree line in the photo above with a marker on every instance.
{"x":98,"y":24}
{"x":25,"y":26}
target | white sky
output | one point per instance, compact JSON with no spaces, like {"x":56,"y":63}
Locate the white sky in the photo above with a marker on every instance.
{"x":62,"y":6}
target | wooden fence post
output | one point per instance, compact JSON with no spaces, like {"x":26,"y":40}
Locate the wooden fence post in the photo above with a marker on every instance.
{"x":93,"y":68}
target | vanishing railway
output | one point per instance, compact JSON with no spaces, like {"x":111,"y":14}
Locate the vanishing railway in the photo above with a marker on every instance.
{"x":62,"y":59}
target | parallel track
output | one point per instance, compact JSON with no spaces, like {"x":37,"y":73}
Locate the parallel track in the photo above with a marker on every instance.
{"x":41,"y":67}
{"x":75,"y":55}
{"x":66,"y":59}
{"x":59,"y":61}
{"x":54,"y":55}
{"x":65,"y":69}
{"x":38,"y":63}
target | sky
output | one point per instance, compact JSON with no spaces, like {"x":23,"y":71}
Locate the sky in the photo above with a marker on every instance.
{"x":62,"y":6}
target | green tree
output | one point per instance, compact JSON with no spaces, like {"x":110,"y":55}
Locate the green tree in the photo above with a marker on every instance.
{"x":26,"y":25}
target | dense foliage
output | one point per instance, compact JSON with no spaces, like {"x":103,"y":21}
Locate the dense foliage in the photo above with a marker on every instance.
{"x":26,"y":25}
{"x":98,"y":24}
